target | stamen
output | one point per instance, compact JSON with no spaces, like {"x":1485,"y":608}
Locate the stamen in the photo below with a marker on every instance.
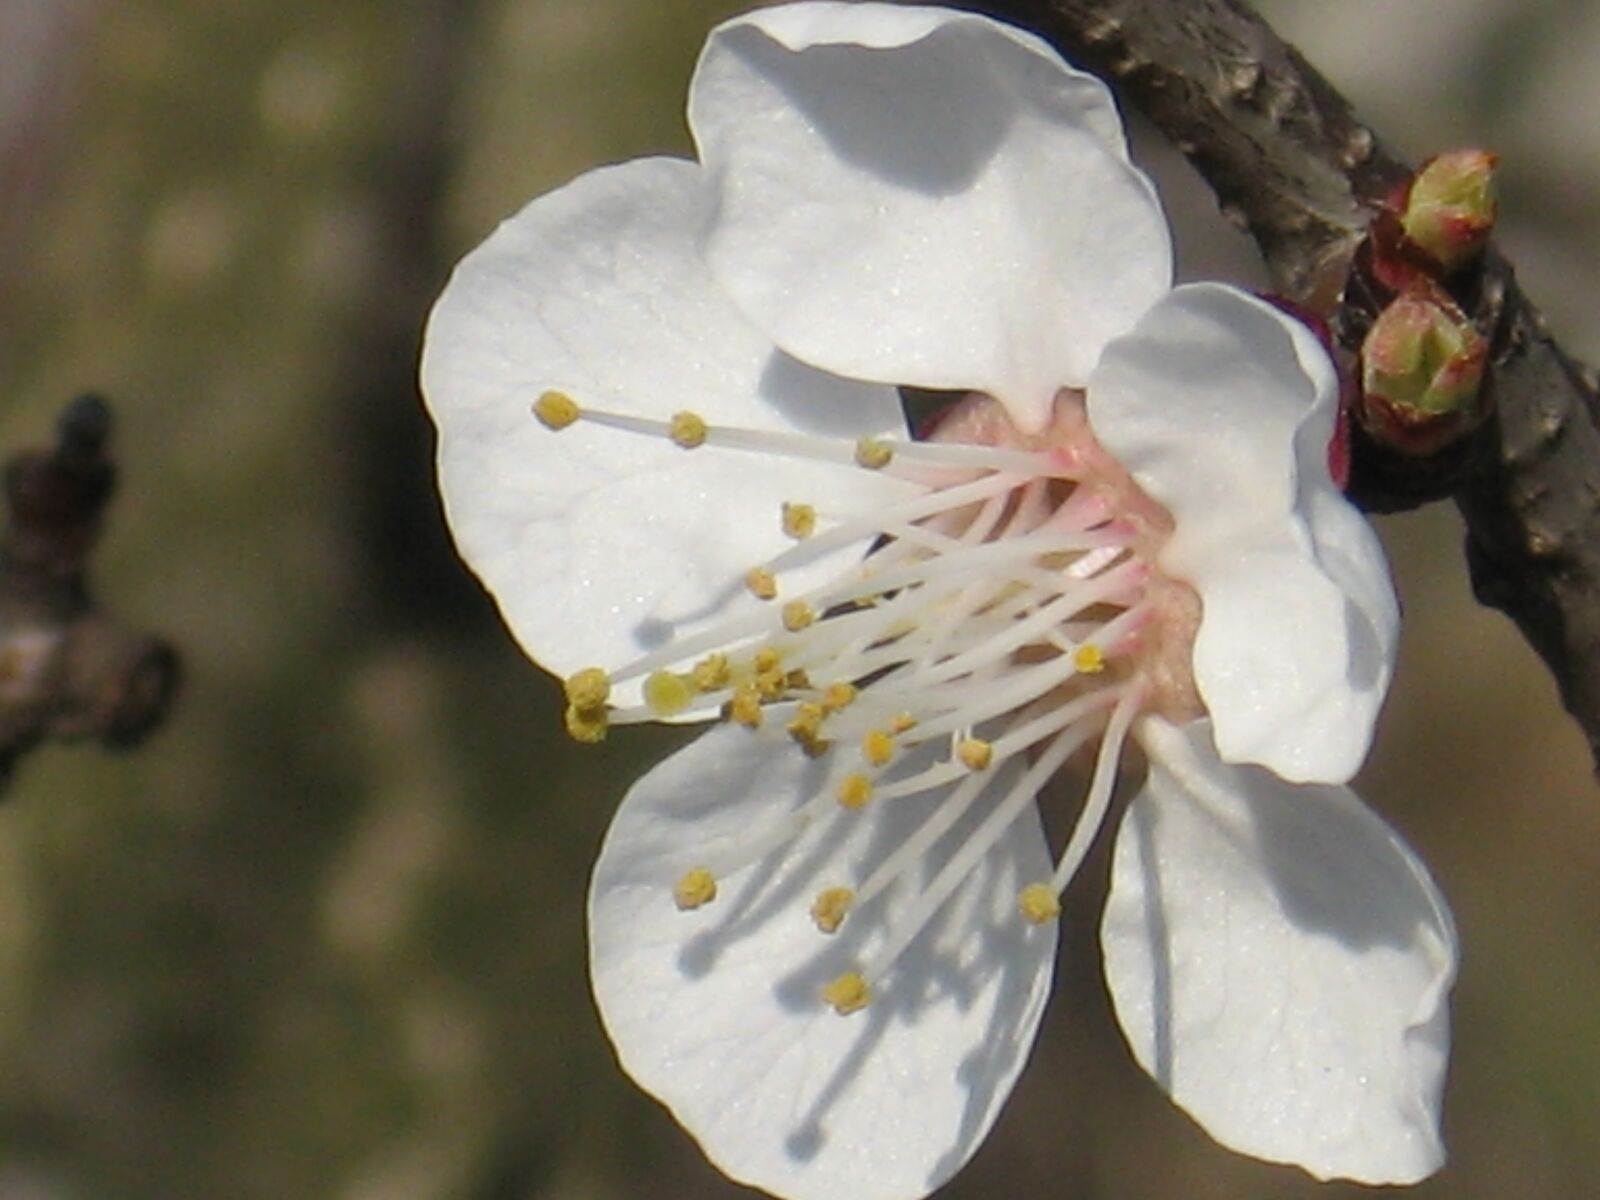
{"x":873,"y":454}
{"x":697,"y":888}
{"x":976,"y":753}
{"x":807,"y":724}
{"x":830,"y":907}
{"x":872,"y":525}
{"x":1008,"y":692}
{"x":855,"y":791}
{"x":1038,"y":903}
{"x":586,"y":725}
{"x":556,"y":410}
{"x":839,"y":696}
{"x":745,"y":706}
{"x":797,"y":614}
{"x":968,"y":654}
{"x":1029,"y":463}
{"x":589,"y":689}
{"x":1010,"y":560}
{"x":848,"y":993}
{"x":983,"y":644}
{"x":688,"y":430}
{"x":1086,"y":508}
{"x":913,"y":849}
{"x":1101,"y":785}
{"x":711,"y":673}
{"x":877,"y":747}
{"x":799,"y":520}
{"x":771,"y":682}
{"x":755,"y":844}
{"x":761,"y":583}
{"x":971,"y":851}
{"x":1060,"y":609}
{"x":1014,"y":741}
{"x":666,"y":693}
{"x":1098,"y":559}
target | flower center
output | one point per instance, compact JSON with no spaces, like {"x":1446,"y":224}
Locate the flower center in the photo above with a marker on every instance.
{"x":1009,"y":614}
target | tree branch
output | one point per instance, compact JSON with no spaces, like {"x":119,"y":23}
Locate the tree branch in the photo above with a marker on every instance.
{"x":1290,"y":162}
{"x":68,"y":668}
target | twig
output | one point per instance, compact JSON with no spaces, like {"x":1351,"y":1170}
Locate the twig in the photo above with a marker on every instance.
{"x":68,"y":669}
{"x":1290,"y":162}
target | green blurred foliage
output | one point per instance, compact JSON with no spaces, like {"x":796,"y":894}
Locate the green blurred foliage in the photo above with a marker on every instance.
{"x":323,"y":936}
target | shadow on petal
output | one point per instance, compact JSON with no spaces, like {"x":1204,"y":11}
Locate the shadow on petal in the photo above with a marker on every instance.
{"x":923,"y":121}
{"x":1368,"y":659}
{"x":1141,"y":822}
{"x":1334,"y":871}
{"x":1280,"y":963}
{"x":824,"y":405}
{"x":720,"y":1012}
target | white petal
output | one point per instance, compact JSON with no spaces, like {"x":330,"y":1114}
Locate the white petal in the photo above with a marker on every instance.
{"x":925,"y":197}
{"x":718,"y":1013}
{"x":599,"y":544}
{"x":1222,"y":408}
{"x":1280,"y":962}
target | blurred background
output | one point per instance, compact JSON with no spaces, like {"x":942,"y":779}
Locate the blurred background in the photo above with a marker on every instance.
{"x":323,"y":935}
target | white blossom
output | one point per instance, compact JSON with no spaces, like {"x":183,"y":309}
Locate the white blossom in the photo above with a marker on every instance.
{"x":672,"y":447}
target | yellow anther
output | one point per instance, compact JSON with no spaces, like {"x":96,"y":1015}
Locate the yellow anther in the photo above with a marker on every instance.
{"x":667,"y":693}
{"x":745,"y":707}
{"x":855,"y":792}
{"x":797,"y":681}
{"x":830,"y":907}
{"x":975,"y":753}
{"x":799,"y":520}
{"x":806,"y":729}
{"x":848,"y":993}
{"x":807,"y":723}
{"x":1089,"y":659}
{"x":688,"y":430}
{"x":769,"y":679}
{"x":589,"y":689}
{"x":797,"y":614}
{"x":587,"y":725}
{"x":902,"y":723}
{"x":762,"y":583}
{"x":711,"y":673}
{"x":696,"y":888}
{"x":771,"y":685}
{"x":1039,"y":903}
{"x":556,"y":410}
{"x":838,"y":696}
{"x":873,"y":454}
{"x":877,"y":747}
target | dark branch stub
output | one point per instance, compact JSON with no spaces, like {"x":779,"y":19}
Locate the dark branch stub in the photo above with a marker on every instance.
{"x":1289,"y":161}
{"x":69,"y":669}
